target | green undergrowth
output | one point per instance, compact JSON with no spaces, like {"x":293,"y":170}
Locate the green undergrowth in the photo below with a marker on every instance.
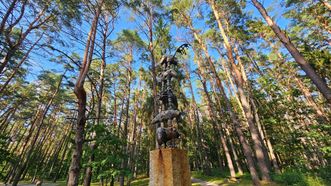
{"x":219,"y":177}
{"x":321,"y":177}
{"x":295,"y":177}
{"x":137,"y":182}
{"x":140,"y":182}
{"x":64,"y":183}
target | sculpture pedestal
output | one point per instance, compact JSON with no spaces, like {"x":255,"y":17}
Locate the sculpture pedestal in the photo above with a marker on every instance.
{"x":169,"y":167}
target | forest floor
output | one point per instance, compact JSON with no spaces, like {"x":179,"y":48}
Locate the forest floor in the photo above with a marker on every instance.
{"x":221,"y":178}
{"x":197,"y":182}
{"x":206,"y":181}
{"x":144,"y":182}
{"x":29,"y":184}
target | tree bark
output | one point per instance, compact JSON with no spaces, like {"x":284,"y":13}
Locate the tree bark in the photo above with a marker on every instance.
{"x":217,"y":131}
{"x":326,"y":4}
{"x":80,"y":93}
{"x":13,"y":47}
{"x":93,"y":146}
{"x":66,"y":147}
{"x":246,"y":148}
{"x":6,"y":16}
{"x":239,"y":80}
{"x":26,"y":55}
{"x":124,"y":162}
{"x":25,"y":159}
{"x":306,"y":67}
{"x":62,"y":145}
{"x":303,"y":88}
{"x":235,"y":156}
{"x":199,"y":133}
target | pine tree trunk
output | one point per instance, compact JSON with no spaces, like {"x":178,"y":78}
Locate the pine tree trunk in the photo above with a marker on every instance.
{"x":150,"y":27}
{"x":66,"y":147}
{"x":4,"y":85}
{"x":93,"y":146}
{"x":305,"y":91}
{"x":80,"y":93}
{"x":235,"y":156}
{"x":306,"y":67}
{"x":258,"y":145}
{"x":61,"y":146}
{"x":5,"y":17}
{"x":247,"y":150}
{"x":24,"y":146}
{"x":132,"y":161}
{"x":223,"y":136}
{"x":25,"y":159}
{"x":326,"y":4}
{"x":248,"y":86}
{"x":79,"y":139}
{"x":124,"y":162}
{"x":6,"y":119}
{"x":310,"y":100}
{"x":115,"y":107}
{"x":267,"y":148}
{"x":13,"y":48}
{"x":199,"y":133}
{"x":217,"y":131}
{"x":227,"y":134}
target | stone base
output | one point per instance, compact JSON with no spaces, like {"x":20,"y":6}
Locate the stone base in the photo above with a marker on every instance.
{"x":169,"y":167}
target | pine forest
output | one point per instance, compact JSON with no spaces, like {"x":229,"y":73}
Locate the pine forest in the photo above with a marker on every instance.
{"x":80,"y":88}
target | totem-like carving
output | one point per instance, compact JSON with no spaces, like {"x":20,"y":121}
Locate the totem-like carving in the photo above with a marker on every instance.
{"x":169,"y":115}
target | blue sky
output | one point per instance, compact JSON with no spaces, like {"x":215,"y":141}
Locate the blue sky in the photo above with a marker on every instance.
{"x":40,"y":60}
{"x":123,"y":22}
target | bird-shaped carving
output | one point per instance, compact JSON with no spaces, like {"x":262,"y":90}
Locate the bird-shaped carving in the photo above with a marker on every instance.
{"x":181,"y":49}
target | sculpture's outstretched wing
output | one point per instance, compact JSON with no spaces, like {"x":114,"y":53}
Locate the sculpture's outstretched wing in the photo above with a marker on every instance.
{"x":181,"y":49}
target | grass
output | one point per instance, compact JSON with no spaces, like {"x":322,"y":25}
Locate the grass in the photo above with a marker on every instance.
{"x":288,"y":177}
{"x":212,"y":179}
{"x":143,"y":181}
{"x":64,"y":183}
{"x":140,"y":182}
{"x":223,"y":179}
{"x":304,"y":178}
{"x":219,"y":177}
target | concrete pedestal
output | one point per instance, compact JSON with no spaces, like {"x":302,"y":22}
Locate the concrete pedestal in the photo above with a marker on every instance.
{"x":169,"y":167}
